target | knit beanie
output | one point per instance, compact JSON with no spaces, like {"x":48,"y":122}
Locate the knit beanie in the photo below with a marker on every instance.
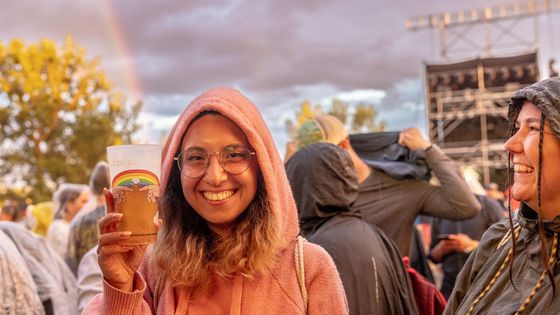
{"x":321,"y":128}
{"x":545,"y":95}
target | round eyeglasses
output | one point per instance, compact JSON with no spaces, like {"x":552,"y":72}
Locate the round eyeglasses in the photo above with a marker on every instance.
{"x":234,"y":159}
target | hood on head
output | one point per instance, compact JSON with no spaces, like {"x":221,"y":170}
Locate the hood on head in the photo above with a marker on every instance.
{"x":545,"y":95}
{"x":323,"y":181}
{"x":239,"y":109}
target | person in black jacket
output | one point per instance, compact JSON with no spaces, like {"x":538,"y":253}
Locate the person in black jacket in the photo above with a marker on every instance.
{"x":325,"y":185}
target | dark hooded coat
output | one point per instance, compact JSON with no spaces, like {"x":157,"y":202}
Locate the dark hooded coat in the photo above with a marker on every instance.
{"x":325,"y":185}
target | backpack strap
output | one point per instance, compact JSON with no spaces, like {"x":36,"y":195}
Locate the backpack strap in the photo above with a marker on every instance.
{"x":300,"y":270}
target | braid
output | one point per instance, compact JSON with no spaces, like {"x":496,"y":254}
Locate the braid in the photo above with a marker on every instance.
{"x":514,"y":112}
{"x":511,"y":227}
{"x":542,"y":236}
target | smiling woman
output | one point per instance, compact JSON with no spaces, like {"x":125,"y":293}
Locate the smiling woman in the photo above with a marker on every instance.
{"x":528,"y":245}
{"x":221,"y":188}
{"x":533,"y":140}
{"x":228,"y":240}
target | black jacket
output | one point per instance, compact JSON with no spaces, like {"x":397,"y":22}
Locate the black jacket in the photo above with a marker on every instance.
{"x":324,"y":184}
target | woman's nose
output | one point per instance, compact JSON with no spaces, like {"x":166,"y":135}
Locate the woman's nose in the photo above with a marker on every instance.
{"x":514,"y":144}
{"x":215,"y":173}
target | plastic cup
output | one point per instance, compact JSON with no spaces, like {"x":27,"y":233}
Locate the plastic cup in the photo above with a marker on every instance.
{"x":135,"y":172}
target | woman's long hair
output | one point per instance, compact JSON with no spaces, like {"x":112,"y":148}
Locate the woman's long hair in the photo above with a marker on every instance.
{"x":513,"y":114}
{"x":188,"y":252}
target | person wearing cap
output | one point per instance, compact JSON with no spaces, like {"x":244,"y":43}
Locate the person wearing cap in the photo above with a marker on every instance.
{"x":392,"y":202}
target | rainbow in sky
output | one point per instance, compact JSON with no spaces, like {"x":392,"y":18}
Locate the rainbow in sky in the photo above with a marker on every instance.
{"x":130,"y":178}
{"x":118,"y":37}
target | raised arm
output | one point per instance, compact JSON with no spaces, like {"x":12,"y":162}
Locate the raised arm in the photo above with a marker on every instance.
{"x":452,"y":199}
{"x":123,"y":286}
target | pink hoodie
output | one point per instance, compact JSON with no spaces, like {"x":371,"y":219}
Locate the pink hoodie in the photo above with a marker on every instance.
{"x":275,"y":293}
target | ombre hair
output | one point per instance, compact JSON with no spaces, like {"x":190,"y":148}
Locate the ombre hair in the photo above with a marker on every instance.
{"x":189,"y":253}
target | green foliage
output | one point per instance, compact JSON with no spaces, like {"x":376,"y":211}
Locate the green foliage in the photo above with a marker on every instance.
{"x":58,"y":112}
{"x":339,"y":109}
{"x":306,"y":111}
{"x":363,"y":118}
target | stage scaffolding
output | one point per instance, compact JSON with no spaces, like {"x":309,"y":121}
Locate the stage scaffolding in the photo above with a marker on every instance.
{"x":467,"y":101}
{"x":467,"y":104}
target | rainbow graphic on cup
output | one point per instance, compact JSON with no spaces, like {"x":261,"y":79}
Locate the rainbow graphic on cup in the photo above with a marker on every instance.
{"x":139,"y":178}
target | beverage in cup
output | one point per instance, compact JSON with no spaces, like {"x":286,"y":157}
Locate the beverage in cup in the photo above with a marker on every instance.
{"x":135,"y":173}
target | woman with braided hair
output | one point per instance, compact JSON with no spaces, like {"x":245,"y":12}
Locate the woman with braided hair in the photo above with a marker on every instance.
{"x":515,"y":269}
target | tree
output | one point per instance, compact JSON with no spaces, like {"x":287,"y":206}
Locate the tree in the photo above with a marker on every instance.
{"x":58,"y":113}
{"x":339,"y":109}
{"x":306,"y":112}
{"x":363,"y":118}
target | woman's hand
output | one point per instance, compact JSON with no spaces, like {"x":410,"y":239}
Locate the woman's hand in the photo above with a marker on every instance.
{"x":117,"y":262}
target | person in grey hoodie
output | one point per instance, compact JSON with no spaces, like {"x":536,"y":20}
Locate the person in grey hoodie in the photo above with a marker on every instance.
{"x":325,"y":185}
{"x":515,"y":268}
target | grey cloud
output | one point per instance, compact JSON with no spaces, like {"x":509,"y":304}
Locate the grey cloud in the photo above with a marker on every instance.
{"x":166,"y":104}
{"x":257,"y":49}
{"x":278,"y":52}
{"x":402,"y":106}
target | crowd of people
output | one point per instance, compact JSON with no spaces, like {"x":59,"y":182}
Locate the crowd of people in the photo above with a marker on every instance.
{"x":331,"y":229}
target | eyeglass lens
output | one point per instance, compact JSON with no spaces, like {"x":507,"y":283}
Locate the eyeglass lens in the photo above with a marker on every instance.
{"x":235,"y":159}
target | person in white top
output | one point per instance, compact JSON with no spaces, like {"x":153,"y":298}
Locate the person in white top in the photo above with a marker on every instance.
{"x":90,"y":278}
{"x":68,"y":200}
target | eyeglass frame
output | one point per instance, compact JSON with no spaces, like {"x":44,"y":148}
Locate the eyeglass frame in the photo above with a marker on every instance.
{"x":217,"y":154}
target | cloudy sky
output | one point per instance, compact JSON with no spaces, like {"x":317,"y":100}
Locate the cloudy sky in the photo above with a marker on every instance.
{"x":279,"y":53}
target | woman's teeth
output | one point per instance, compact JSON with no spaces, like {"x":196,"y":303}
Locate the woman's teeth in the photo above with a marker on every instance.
{"x":218,"y":196}
{"x":520,"y":168}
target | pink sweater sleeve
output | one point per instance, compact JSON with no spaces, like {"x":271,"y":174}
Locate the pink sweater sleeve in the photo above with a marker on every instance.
{"x":324,"y":287}
{"x":116,"y":302}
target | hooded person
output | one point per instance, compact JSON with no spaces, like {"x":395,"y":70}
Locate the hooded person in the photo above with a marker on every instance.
{"x":515,"y":268}
{"x":229,"y":239}
{"x":18,"y":292}
{"x":325,"y":185}
{"x":54,"y":282}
